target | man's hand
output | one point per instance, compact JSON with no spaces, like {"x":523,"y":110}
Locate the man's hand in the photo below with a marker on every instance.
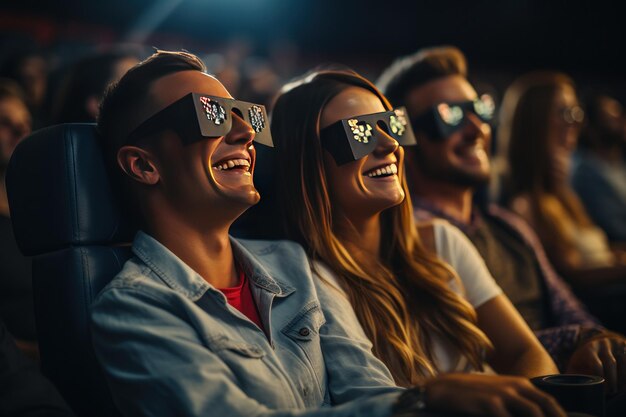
{"x":489,"y":395}
{"x":604,"y":356}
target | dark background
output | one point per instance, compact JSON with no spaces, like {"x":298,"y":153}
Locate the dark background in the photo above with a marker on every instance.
{"x":502,"y":39}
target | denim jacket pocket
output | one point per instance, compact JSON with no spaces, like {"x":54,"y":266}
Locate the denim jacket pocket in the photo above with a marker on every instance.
{"x":223,"y":343}
{"x":306,"y":325}
{"x":304,"y":331}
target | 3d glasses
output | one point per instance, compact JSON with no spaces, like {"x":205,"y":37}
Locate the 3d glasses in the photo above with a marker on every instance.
{"x":445,"y":118}
{"x":573,"y":115}
{"x":351,"y":139}
{"x":197,"y":116}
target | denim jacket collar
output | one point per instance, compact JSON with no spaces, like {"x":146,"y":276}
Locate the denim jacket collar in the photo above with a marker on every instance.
{"x":181,"y":278}
{"x":257,"y":272}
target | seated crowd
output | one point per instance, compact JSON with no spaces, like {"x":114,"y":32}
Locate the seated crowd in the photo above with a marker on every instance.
{"x":396,"y":286}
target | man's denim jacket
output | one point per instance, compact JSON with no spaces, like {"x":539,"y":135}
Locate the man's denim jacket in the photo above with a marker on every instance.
{"x":170,"y":344}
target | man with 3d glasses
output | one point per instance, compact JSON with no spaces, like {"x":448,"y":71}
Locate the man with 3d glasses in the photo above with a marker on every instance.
{"x":198,"y":323}
{"x":449,"y":163}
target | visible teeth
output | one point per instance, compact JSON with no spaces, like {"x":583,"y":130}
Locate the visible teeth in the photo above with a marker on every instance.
{"x":386,"y":170}
{"x":231,"y":164}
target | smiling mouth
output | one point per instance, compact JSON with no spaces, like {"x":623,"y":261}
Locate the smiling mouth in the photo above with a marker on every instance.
{"x":472,"y":152}
{"x":383,"y":171}
{"x":232,"y":165}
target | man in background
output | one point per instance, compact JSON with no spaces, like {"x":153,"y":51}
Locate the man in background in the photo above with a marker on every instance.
{"x":449,"y":165}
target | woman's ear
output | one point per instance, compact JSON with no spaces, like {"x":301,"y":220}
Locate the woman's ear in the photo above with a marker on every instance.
{"x":138,"y":164}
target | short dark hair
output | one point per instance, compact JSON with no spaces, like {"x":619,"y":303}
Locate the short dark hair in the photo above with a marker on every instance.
{"x":122,"y":100}
{"x":120,"y":112}
{"x":85,"y":78}
{"x":412,"y":71}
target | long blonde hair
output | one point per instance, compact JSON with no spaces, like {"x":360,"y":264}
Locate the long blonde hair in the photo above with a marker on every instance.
{"x":402,"y":299}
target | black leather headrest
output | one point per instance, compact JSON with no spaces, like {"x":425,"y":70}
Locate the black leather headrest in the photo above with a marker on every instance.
{"x":59,"y":192}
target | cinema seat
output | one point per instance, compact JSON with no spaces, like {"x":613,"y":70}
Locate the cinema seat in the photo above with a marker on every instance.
{"x":65,"y":216}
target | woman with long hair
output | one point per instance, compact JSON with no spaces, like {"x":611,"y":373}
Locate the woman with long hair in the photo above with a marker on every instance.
{"x":540,"y":123}
{"x":352,"y":213}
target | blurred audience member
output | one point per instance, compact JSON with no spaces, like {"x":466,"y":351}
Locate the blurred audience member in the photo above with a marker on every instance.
{"x":284,"y":56}
{"x":540,"y":123}
{"x":599,"y":169}
{"x":227,"y":65}
{"x":449,"y":164}
{"x":84,"y":85}
{"x":260,"y":81}
{"x":29,"y":69}
{"x":227,"y":72}
{"x":16,"y":302}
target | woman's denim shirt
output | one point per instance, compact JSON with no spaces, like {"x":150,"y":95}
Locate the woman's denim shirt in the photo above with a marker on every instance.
{"x":170,"y":344}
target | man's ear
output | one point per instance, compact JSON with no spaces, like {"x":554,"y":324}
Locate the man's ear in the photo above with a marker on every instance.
{"x":138,"y":164}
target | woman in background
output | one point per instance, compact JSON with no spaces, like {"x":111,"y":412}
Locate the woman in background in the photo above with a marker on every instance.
{"x":540,"y":124}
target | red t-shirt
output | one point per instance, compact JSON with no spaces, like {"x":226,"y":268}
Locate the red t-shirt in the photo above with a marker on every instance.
{"x":240,"y":297}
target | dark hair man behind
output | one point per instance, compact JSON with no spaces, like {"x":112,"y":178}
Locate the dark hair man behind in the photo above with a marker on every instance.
{"x":446,"y":168}
{"x":198,"y":323}
{"x":78,"y":98}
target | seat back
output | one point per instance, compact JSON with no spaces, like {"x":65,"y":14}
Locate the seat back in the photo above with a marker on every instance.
{"x":66,"y":216}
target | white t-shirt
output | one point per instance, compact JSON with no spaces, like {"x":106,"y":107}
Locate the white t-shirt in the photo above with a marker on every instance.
{"x":453,"y":247}
{"x":459,"y":252}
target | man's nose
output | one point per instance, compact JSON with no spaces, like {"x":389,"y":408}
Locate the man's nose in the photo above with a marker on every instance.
{"x":474,"y":127}
{"x":240,"y":132}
